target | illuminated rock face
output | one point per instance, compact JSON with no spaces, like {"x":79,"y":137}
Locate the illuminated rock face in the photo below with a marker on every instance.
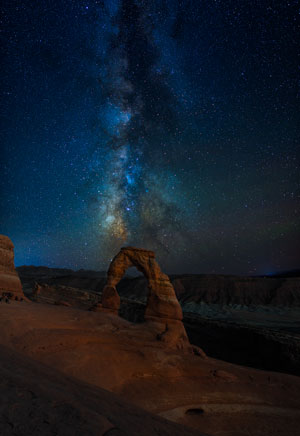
{"x":162,"y":301}
{"x":163,"y":312}
{"x":9,"y":279}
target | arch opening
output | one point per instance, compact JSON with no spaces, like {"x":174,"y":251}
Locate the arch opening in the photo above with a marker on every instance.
{"x":133,"y":272}
{"x":134,"y":291}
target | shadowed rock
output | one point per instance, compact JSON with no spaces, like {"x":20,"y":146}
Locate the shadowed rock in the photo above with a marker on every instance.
{"x":10,"y":284}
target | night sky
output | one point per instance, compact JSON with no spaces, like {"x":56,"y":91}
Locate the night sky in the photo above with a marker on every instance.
{"x":164,"y":124}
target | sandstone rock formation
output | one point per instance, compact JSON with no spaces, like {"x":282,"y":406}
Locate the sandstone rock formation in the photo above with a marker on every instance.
{"x":162,"y":301}
{"x":10,"y":284}
{"x":162,"y":307}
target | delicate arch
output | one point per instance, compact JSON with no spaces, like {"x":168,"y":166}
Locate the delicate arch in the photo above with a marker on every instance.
{"x":162,"y":301}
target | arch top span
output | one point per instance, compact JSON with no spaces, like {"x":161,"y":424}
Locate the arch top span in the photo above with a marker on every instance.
{"x":149,"y":253}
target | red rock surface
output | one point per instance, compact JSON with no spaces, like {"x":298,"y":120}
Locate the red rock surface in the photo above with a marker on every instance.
{"x":10,"y":283}
{"x":109,"y":352}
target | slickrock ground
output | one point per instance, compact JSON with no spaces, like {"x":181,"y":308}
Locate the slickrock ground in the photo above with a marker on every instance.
{"x":109,"y":352}
{"x":36,"y":400}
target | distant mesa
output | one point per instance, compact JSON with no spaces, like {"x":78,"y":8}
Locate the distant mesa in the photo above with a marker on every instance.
{"x":10,"y":284}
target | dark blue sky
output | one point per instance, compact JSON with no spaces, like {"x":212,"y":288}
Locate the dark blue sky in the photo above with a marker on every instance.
{"x":170,"y":125}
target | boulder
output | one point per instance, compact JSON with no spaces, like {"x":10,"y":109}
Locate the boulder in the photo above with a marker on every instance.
{"x":10,"y":284}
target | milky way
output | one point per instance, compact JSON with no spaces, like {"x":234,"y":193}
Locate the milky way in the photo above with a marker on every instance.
{"x":138,"y":107}
{"x":170,"y":125}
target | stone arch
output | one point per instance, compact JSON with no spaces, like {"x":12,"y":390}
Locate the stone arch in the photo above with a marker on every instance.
{"x":162,"y":301}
